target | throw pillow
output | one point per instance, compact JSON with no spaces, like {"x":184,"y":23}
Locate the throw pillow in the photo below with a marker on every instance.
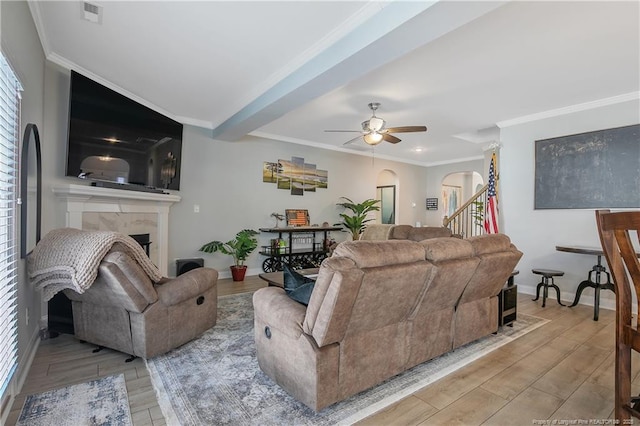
{"x":297,"y":286}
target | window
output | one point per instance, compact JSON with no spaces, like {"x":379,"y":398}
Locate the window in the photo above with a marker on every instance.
{"x":9,"y":136}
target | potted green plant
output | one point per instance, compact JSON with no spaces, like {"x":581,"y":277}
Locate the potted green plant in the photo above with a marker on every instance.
{"x":239,"y":248}
{"x":356,"y":222}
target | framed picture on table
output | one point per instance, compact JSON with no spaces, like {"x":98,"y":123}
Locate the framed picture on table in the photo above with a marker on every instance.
{"x":297,"y":217}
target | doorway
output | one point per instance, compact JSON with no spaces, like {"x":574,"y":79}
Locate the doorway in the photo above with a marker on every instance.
{"x":387,"y":191}
{"x":387,"y":197}
{"x":458,"y":188}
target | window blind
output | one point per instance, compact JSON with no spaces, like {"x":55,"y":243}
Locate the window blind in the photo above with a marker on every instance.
{"x":9,"y":140}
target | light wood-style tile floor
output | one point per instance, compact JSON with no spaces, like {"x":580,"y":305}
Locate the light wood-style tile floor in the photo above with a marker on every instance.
{"x":561,"y":371}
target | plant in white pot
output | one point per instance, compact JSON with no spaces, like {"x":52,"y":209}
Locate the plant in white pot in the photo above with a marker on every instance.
{"x":239,"y":248}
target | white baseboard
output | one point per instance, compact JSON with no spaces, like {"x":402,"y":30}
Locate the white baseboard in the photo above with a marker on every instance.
{"x":20,"y":376}
{"x":24,"y":364}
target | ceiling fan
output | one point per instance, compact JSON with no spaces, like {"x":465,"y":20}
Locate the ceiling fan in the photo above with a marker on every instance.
{"x":374,"y":131}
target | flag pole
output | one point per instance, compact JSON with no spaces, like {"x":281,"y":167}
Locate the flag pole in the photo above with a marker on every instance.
{"x":494,"y":146}
{"x":491,"y":218}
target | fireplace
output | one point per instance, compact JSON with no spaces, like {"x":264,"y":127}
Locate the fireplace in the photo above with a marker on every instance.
{"x":144,"y":216}
{"x":128,"y":212}
{"x":143,"y":240}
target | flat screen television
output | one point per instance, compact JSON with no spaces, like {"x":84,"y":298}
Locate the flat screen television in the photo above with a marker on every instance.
{"x":117,"y":142}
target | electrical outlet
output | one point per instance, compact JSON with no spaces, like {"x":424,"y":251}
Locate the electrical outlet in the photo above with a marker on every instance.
{"x":196,"y":208}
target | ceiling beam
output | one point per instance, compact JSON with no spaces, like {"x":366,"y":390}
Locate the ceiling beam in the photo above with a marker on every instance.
{"x":395,"y":30}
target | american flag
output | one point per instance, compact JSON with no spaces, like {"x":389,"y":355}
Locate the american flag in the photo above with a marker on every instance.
{"x":297,"y":217}
{"x":491,"y":212}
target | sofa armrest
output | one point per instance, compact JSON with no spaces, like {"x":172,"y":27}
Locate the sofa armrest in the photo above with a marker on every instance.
{"x":186,"y":286}
{"x":273,"y":307}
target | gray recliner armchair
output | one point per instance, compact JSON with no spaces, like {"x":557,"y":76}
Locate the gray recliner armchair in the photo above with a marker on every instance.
{"x":124,"y":310}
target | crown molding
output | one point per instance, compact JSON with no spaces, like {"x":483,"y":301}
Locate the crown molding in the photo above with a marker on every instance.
{"x":627,"y":97}
{"x":194,"y":122}
{"x":362,"y":153}
{"x":34,"y":8}
{"x":334,"y":148}
{"x":456,"y":161}
{"x":69,"y":65}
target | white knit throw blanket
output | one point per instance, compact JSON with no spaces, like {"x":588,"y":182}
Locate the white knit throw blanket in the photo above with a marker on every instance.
{"x":69,"y":258}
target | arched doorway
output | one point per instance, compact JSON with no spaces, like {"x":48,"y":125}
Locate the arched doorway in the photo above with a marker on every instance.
{"x":457,"y":188}
{"x":387,"y":193}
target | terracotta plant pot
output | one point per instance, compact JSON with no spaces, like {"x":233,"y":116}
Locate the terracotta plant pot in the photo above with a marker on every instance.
{"x":238,"y":272}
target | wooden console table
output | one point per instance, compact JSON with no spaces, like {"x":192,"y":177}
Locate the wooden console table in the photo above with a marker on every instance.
{"x":296,"y":255}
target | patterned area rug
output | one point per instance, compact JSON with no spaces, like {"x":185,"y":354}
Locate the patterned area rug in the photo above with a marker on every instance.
{"x":215,"y":379}
{"x":100,"y":402}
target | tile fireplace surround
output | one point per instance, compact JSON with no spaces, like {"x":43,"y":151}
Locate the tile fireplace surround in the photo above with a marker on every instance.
{"x":130,"y":212}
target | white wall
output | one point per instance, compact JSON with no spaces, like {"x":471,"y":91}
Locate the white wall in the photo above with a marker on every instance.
{"x":537,"y":232}
{"x":225,"y":180}
{"x":21,"y":46}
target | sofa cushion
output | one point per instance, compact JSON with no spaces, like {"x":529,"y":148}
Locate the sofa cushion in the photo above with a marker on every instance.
{"x":446,"y":248}
{"x":400,"y":232}
{"x":377,"y":231}
{"x":297,"y":286}
{"x":368,"y":254}
{"x":426,"y":232}
{"x":489,"y":243}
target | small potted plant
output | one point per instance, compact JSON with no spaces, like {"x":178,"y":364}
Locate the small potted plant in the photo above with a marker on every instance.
{"x":239,"y":248}
{"x":356,"y":222}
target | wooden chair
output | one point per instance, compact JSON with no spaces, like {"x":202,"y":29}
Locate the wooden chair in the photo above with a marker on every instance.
{"x":616,"y":231}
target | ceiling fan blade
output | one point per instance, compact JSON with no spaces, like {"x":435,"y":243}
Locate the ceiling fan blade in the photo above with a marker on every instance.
{"x":390,"y":138}
{"x":352,"y":140}
{"x":346,"y":131}
{"x":406,"y":129}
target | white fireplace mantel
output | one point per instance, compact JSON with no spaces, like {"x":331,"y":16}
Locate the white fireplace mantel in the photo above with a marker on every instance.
{"x":79,"y":199}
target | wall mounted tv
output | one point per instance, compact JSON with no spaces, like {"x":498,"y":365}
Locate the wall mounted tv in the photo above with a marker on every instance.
{"x":117,"y":142}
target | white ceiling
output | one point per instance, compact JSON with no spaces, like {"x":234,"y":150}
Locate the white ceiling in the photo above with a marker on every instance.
{"x":289,"y":70}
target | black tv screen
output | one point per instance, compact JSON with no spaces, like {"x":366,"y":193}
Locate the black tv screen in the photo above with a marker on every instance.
{"x":115,"y":139}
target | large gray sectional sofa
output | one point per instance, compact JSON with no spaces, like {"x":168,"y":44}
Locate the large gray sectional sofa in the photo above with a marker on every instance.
{"x":379,"y":308}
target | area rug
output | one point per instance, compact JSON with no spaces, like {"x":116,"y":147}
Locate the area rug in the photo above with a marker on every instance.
{"x":215,"y":379}
{"x":99,"y":402}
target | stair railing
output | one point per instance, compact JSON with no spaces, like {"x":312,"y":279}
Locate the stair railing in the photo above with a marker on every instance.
{"x":468,"y":220}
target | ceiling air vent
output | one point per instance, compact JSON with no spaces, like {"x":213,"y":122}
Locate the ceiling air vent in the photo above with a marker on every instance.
{"x":92,"y":12}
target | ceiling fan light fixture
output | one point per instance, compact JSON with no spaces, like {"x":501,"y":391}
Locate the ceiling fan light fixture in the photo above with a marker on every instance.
{"x":374,"y":130}
{"x":376,"y":124}
{"x":373,"y":138}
